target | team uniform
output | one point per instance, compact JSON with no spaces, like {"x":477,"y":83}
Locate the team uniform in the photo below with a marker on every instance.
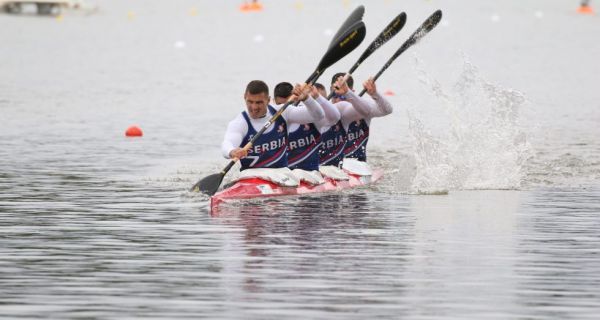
{"x":347,"y":139}
{"x":357,"y":131}
{"x":270,"y":149}
{"x":305,"y":139}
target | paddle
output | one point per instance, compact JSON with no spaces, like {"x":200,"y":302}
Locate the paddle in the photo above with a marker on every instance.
{"x":340,"y":47}
{"x":389,"y":32}
{"x":425,"y":27}
{"x":354,"y":17}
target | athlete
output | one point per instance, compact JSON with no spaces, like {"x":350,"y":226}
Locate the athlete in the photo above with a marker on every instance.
{"x":305,"y":138}
{"x":357,"y":131}
{"x":334,"y":137}
{"x":270,"y":149}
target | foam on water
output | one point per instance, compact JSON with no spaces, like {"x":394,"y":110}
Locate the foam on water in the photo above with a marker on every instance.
{"x":481,"y":145}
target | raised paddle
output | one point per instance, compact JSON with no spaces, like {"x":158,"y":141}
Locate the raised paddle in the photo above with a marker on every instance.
{"x":389,"y":32}
{"x":354,"y":17}
{"x":340,"y":47}
{"x":425,"y":27}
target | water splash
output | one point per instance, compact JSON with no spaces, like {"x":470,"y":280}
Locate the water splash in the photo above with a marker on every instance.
{"x":482,"y":146}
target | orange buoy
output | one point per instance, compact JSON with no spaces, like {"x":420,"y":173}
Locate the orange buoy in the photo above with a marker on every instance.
{"x":389,"y":93}
{"x":252,"y":6}
{"x":133,"y":131}
{"x":585,"y":9}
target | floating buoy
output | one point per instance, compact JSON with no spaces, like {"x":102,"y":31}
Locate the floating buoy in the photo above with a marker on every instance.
{"x":133,"y":131}
{"x":585,"y":9}
{"x":389,"y":93}
{"x":193,"y":12}
{"x":251,"y":7}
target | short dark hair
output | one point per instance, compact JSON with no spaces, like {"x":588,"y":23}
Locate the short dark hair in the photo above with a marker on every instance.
{"x":320,"y":86}
{"x":350,"y":81}
{"x":256,"y":87}
{"x":283,"y":90}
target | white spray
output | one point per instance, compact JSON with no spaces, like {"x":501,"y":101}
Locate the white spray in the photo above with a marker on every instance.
{"x":483,"y":146}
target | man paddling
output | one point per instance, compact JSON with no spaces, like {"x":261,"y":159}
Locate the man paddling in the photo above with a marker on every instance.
{"x":335,"y":137}
{"x":270,"y":149}
{"x":357,"y":131}
{"x":305,"y":138}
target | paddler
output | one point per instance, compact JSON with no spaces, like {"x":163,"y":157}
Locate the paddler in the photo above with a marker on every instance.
{"x":357,"y":120}
{"x":305,"y":138}
{"x":270,"y":149}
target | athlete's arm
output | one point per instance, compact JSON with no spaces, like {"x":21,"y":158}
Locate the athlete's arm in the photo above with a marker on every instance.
{"x":348,"y":112}
{"x":332,"y":114}
{"x":362,"y":105}
{"x":383,"y":106}
{"x":305,"y":113}
{"x":236,"y":130}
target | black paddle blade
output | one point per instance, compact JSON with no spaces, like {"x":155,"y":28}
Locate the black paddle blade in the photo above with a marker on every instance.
{"x":353,"y":18}
{"x":347,"y":42}
{"x":209,"y":185}
{"x":389,"y":32}
{"x":425,"y":27}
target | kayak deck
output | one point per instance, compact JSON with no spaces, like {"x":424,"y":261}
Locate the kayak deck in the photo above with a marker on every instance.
{"x":261,"y":188}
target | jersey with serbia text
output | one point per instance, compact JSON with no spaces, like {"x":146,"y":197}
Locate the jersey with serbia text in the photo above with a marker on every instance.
{"x":332,"y":147}
{"x":303,"y":147}
{"x":356,"y":140}
{"x":269,"y":150}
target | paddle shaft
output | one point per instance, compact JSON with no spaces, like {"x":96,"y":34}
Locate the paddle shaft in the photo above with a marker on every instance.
{"x":425,"y":27}
{"x":403,"y":48}
{"x":390,"y":31}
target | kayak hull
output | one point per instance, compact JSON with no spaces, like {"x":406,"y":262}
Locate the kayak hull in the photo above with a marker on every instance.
{"x":261,"y":188}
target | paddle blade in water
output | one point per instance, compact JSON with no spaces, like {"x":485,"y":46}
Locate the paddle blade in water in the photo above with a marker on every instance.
{"x":209,"y":185}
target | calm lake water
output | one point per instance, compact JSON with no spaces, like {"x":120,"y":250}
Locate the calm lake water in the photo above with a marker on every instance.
{"x":490,"y":207}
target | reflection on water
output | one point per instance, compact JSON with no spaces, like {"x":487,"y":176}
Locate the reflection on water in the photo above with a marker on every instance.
{"x":307,"y":252}
{"x":559,"y":255}
{"x":465,"y":255}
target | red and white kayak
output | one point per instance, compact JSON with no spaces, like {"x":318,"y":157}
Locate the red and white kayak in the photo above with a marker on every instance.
{"x":259,"y":188}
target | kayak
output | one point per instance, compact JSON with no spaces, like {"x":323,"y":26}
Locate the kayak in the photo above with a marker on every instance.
{"x":260,"y":188}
